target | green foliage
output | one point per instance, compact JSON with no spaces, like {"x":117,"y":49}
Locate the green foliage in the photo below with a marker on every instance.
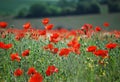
{"x":63,"y":7}
{"x":114,"y":5}
{"x":59,"y":7}
{"x":22,"y":13}
{"x":87,"y":7}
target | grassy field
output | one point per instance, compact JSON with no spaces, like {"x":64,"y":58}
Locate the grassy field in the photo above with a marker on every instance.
{"x":30,"y":56}
{"x":71,"y":21}
{"x":35,"y":55}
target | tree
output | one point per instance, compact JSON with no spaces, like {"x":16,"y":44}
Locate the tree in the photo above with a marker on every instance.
{"x":39,"y":10}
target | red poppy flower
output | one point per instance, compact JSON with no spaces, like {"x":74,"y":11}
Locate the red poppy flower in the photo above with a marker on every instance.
{"x":45,"y":21}
{"x":71,"y":33}
{"x":86,"y":27}
{"x":37,"y":77}
{"x":102,"y":53}
{"x":49,"y":26}
{"x":51,"y":69}
{"x":19,"y":36}
{"x":91,"y":48}
{"x":7,"y":46}
{"x":54,"y":35}
{"x":27,"y":25}
{"x":18,"y":72}
{"x":97,"y":29}
{"x":42,"y":32}
{"x":76,"y":46}
{"x":25,"y":53}
{"x":16,"y":57}
{"x":55,"y":50}
{"x":76,"y":51}
{"x":2,"y":45}
{"x":106,"y":24}
{"x":111,"y":45}
{"x":3,"y":24}
{"x":49,"y":46}
{"x":64,"y":52}
{"x":31,"y":71}
{"x":72,"y":43}
{"x":53,"y":40}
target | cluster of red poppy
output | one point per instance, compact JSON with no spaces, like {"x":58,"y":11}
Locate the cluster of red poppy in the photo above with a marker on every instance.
{"x":54,"y":36}
{"x":73,"y":46}
{"x":15,"y":56}
{"x":32,"y":72}
{"x":100,"y":52}
{"x":5,"y":46}
{"x":34,"y":75}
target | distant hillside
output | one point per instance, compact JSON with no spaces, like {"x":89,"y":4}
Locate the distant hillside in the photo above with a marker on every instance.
{"x":12,"y":6}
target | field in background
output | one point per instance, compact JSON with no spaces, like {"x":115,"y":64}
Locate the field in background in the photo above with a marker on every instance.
{"x":71,"y":21}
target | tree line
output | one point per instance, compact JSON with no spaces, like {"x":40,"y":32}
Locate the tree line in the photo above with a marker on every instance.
{"x":65,"y":7}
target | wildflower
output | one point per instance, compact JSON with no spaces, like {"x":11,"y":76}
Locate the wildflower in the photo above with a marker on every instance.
{"x":71,"y":33}
{"x":3,"y":24}
{"x":37,"y":77}
{"x":2,"y":45}
{"x":7,"y":46}
{"x":42,"y":32}
{"x":15,"y":56}
{"x":86,"y":27}
{"x":51,"y":69}
{"x":101,"y":53}
{"x":91,"y":48}
{"x":76,"y":51}
{"x":55,"y":50}
{"x":106,"y":24}
{"x":31,"y":71}
{"x":18,"y":72}
{"x":74,"y":45}
{"x":111,"y":45}
{"x":27,"y":25}
{"x":54,"y":35}
{"x":49,"y":26}
{"x":97,"y":29}
{"x":19,"y":36}
{"x":25,"y":53}
{"x":53,"y":40}
{"x":64,"y":52}
{"x":49,"y":46}
{"x":45,"y":21}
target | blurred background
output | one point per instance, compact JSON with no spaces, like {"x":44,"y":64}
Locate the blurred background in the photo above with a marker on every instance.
{"x":69,"y":14}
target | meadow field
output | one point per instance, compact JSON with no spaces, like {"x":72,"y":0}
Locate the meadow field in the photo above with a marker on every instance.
{"x":37,"y":52}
